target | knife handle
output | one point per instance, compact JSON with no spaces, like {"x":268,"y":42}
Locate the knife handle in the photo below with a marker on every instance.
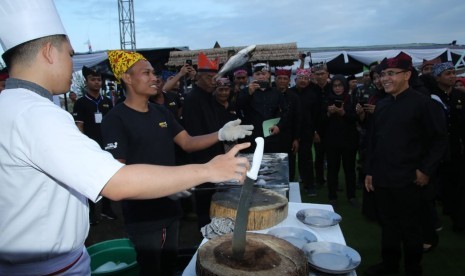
{"x":257,"y":158}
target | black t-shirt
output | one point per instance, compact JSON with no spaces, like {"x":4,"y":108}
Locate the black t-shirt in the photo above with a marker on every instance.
{"x":143,"y":138}
{"x":84,"y":111}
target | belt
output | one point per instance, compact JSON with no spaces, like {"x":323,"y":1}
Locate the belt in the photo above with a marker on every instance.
{"x":58,"y":272}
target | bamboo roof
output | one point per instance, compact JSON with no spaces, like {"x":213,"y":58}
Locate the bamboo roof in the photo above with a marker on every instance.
{"x":274,"y":54}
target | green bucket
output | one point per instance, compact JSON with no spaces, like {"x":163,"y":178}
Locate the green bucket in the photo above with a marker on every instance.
{"x":117,"y":251}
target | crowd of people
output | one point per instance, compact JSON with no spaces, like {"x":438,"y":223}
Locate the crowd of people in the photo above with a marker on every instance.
{"x":400,"y":132}
{"x":400,"y":135}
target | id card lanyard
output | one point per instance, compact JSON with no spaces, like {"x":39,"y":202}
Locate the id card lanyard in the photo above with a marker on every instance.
{"x":97,"y":115}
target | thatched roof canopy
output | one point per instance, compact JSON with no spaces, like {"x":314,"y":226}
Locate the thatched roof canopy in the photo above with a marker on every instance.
{"x":274,"y":54}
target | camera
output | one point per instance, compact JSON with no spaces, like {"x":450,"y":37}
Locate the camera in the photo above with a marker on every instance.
{"x":189,"y":61}
{"x":263,"y":84}
{"x":362,"y":101}
{"x":338,"y":103}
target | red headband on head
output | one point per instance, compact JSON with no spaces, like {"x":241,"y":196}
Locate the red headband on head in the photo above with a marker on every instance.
{"x":283,"y":72}
{"x":223,"y":82}
{"x":240,"y":72}
{"x":303,"y":72}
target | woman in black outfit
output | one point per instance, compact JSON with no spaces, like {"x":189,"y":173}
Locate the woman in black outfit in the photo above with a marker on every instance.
{"x":341,"y":134}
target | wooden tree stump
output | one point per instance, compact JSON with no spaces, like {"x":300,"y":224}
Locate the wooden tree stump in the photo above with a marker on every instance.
{"x":267,"y":209}
{"x":264,"y":255}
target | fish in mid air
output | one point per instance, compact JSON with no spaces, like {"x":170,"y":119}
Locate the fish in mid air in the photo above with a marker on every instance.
{"x":237,"y":60}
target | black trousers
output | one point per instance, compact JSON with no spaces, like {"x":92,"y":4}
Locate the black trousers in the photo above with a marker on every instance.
{"x":286,"y":147}
{"x":430,"y":217}
{"x":305,"y":163}
{"x":320,"y":153}
{"x":335,"y":155}
{"x":291,"y":157}
{"x":400,"y":212}
{"x":156,"y":245}
{"x":452,"y":188}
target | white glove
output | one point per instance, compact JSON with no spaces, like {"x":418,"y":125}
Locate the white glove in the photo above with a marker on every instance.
{"x":179,"y":195}
{"x":233,"y":130}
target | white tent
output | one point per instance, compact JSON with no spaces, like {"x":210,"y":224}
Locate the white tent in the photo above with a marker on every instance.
{"x":88,"y":60}
{"x":370,"y":54}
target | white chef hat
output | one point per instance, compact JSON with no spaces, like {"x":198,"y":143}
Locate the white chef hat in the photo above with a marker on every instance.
{"x":25,"y":20}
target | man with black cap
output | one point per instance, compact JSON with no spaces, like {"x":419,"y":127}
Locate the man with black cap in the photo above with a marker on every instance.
{"x":88,"y":112}
{"x":451,"y":170}
{"x":407,"y":142}
{"x":321,"y":88}
{"x":427,"y":65}
{"x":260,"y":102}
{"x":46,"y":219}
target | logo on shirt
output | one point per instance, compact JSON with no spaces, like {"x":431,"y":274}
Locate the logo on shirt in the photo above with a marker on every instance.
{"x":163,"y":124}
{"x":111,"y":146}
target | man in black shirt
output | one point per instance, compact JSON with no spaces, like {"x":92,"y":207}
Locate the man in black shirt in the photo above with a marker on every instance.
{"x":450,"y":171}
{"x":200,"y":117}
{"x":310,"y":112}
{"x":321,"y":88}
{"x":88,"y":112}
{"x":290,"y":135}
{"x":260,"y":102}
{"x":139,"y":132}
{"x":407,"y":142}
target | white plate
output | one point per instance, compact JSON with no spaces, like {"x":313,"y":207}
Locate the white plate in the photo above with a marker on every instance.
{"x":318,"y":217}
{"x":331,"y":257}
{"x":296,"y":236}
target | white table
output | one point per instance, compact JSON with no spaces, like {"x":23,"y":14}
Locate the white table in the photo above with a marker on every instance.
{"x":331,"y":234}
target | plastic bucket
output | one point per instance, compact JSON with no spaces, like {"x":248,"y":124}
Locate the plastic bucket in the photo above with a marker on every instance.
{"x":117,"y":251}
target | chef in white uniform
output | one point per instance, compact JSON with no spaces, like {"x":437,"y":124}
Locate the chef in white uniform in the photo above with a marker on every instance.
{"x":43,"y":200}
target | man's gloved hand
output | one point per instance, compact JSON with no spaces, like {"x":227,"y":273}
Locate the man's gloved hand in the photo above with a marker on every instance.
{"x":179,"y":195}
{"x":233,"y":130}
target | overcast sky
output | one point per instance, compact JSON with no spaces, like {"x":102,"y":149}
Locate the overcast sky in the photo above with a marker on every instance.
{"x":311,"y":23}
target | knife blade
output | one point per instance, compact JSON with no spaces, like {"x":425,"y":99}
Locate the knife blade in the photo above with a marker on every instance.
{"x":242,"y":214}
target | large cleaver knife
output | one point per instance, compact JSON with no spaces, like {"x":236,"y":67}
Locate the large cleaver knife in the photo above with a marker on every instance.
{"x":242,"y":214}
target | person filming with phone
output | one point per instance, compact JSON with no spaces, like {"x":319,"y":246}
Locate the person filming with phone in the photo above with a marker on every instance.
{"x":260,"y":102}
{"x":341,"y":134}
